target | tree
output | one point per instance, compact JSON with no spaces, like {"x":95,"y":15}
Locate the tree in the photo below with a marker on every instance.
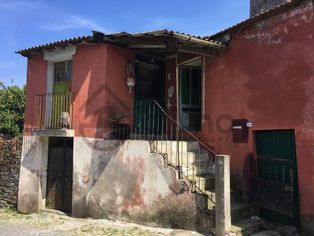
{"x":12,"y":104}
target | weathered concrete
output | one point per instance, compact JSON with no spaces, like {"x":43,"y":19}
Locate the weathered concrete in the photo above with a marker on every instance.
{"x":32,"y":184}
{"x":124,"y":180}
{"x":223,"y":201}
{"x":54,"y":132}
{"x":10,"y":156}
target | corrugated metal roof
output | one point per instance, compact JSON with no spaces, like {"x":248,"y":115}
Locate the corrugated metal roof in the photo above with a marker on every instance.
{"x":259,"y":17}
{"x":110,"y":38}
{"x":54,"y":44}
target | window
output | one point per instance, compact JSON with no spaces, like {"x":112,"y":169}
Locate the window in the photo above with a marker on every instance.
{"x":63,"y":71}
{"x":191,"y":97}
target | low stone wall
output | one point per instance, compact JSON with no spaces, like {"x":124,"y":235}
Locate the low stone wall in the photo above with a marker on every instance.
{"x":10,"y":156}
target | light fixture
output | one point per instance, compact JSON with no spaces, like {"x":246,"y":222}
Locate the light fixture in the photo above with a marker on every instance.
{"x":130,"y":80}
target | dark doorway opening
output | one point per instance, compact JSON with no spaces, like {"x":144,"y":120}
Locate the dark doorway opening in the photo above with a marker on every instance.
{"x":275,"y":179}
{"x":149,"y":87}
{"x":59,"y":174}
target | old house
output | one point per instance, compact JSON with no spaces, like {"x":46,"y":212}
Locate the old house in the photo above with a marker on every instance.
{"x":128,"y":125}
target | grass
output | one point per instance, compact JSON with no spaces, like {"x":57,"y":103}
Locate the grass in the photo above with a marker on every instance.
{"x":89,"y":229}
{"x":37,"y":220}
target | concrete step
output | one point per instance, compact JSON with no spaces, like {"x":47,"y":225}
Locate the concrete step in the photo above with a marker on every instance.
{"x":188,"y":158}
{"x":204,"y":182}
{"x":198,"y":170}
{"x":171,"y":146}
{"x":241,"y":211}
{"x":246,"y":227}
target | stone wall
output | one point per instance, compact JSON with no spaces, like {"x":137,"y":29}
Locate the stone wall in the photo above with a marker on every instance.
{"x":10,"y":155}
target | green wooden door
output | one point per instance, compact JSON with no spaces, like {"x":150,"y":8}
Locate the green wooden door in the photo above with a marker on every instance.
{"x":61,"y":98}
{"x":277,"y":176}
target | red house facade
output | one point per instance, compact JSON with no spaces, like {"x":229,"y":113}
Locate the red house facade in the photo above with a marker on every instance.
{"x":245,"y":92}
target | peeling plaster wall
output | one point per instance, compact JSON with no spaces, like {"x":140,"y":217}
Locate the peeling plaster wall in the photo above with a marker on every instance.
{"x":124,"y":180}
{"x":33,"y":175}
{"x":114,"y":179}
{"x":267,"y":77}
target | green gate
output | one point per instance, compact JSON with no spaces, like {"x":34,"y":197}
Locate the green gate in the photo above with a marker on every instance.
{"x":275,"y":182}
{"x":149,"y":121}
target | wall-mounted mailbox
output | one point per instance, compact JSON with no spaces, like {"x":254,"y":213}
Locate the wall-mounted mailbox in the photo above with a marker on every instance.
{"x":240,"y":130}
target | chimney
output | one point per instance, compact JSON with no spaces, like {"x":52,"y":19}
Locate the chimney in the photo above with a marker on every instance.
{"x":258,"y":6}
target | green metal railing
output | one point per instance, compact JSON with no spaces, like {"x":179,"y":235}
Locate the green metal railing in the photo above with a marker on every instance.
{"x":180,"y":148}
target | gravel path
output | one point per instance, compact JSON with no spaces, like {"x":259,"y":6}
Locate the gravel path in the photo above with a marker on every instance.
{"x":11,"y":229}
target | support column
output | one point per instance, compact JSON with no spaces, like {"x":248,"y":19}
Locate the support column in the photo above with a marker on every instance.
{"x":222,"y":190}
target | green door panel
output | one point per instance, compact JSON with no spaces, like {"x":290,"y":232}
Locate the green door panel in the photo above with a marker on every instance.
{"x":61,"y":102}
{"x":276,"y":163}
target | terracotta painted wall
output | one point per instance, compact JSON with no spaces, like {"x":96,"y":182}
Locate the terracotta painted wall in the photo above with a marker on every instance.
{"x":99,"y":75}
{"x":171,"y":85}
{"x":118,"y":98}
{"x":267,"y":77}
{"x":36,"y":83}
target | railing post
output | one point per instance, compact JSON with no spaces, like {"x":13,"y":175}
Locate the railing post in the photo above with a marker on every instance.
{"x":222,"y":190}
{"x":177,"y":150}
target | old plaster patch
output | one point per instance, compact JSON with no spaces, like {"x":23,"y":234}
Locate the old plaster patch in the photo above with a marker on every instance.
{"x":277,"y":34}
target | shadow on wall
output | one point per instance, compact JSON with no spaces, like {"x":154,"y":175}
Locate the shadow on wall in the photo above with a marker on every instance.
{"x":98,"y":82}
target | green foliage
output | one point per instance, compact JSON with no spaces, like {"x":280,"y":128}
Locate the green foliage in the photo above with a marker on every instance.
{"x":12,"y":104}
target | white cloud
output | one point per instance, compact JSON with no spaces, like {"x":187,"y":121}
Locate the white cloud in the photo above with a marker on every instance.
{"x":73,"y":22}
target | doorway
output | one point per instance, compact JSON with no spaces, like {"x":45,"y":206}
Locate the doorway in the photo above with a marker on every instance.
{"x":190,"y":97}
{"x":275,"y":182}
{"x":149,"y":88}
{"x":59,"y":174}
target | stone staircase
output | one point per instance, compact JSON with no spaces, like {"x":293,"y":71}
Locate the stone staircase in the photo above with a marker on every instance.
{"x":199,"y":168}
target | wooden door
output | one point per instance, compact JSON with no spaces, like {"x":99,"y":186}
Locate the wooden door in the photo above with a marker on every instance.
{"x":59,"y":176}
{"x":275,"y":184}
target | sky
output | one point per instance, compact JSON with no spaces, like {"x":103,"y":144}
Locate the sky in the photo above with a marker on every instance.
{"x":26,"y":23}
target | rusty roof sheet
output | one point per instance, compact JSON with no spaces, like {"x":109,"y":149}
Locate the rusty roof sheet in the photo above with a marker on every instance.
{"x":114,"y":37}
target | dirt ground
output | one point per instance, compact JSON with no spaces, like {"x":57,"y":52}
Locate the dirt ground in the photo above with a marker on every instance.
{"x":53,"y":223}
